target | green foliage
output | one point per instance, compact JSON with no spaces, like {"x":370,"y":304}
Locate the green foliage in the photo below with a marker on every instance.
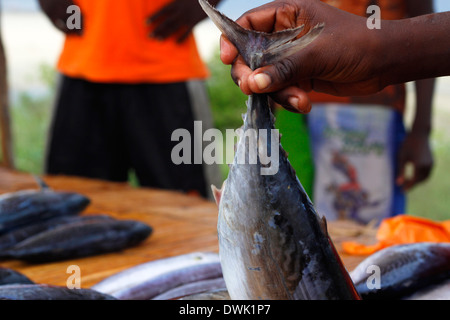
{"x":227,"y":100}
{"x":30,"y":116}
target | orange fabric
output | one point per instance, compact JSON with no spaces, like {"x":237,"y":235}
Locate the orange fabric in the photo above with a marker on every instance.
{"x":116,"y":47}
{"x":402,"y":229}
{"x":392,"y":96}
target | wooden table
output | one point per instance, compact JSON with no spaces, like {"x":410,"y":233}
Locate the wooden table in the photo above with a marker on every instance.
{"x":181,"y":224}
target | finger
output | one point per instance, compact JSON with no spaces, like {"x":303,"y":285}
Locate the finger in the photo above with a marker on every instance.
{"x":228,"y":52}
{"x":240,"y":73}
{"x":165,"y":11}
{"x":293,"y":99}
{"x":167,"y":27}
{"x":184,"y":35}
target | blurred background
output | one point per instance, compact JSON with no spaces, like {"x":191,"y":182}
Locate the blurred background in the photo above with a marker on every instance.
{"x":32,"y":47}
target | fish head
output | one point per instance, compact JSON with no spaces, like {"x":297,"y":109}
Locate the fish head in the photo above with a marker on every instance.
{"x":72,"y":201}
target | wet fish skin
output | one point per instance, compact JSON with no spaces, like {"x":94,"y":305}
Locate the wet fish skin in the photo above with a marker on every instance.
{"x":439,"y":291}
{"x":9,"y":276}
{"x":48,"y":292}
{"x":12,"y":238}
{"x":147,"y":280}
{"x":80,"y":239}
{"x":28,"y":206}
{"x":213,"y":295}
{"x":272,"y":243}
{"x":405,"y":269}
{"x":196,"y":287}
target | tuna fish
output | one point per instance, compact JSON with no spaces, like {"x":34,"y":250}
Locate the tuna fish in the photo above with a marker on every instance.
{"x":402,"y":270}
{"x":150,"y":279}
{"x":192,"y":288}
{"x":48,"y":292}
{"x":9,"y":276}
{"x":272,"y":243}
{"x":23,"y":207}
{"x":17,"y":235}
{"x":80,"y":239}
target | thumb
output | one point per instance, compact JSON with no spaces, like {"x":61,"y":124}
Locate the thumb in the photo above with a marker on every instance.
{"x":275,"y":77}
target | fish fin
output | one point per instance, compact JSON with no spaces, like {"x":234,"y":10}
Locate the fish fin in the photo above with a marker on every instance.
{"x":324,"y":225}
{"x":265,"y":48}
{"x":217,"y":193}
{"x":41,"y":182}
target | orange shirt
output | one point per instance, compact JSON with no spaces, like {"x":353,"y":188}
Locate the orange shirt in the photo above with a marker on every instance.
{"x":392,"y":96}
{"x":116,"y":47}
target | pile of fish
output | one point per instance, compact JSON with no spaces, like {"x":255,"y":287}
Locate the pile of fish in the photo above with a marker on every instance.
{"x":168,"y":279}
{"x":45,"y":225}
{"x":16,"y":286}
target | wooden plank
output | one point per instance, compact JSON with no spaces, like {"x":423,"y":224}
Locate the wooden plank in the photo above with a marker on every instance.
{"x":182,"y":224}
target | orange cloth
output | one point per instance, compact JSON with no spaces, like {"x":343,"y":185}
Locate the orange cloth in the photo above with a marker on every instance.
{"x":392,"y":96}
{"x":402,"y":229}
{"x":116,"y":47}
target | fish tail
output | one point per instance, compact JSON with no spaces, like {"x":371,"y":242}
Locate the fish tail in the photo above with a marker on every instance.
{"x":260,"y":48}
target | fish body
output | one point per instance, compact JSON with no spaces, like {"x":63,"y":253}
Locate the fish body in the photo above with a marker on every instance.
{"x":12,"y":238}
{"x":192,"y":288}
{"x":48,"y":292}
{"x":27,"y":206}
{"x":439,"y":291}
{"x":9,"y":276}
{"x":403,"y":270}
{"x":150,"y":279}
{"x":80,"y":239}
{"x":272,"y":243}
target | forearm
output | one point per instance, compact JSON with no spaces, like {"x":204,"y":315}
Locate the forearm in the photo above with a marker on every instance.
{"x":415,"y":48}
{"x":424,"y":102}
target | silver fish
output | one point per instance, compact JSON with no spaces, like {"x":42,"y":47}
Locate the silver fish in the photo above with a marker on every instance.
{"x":272,"y":243}
{"x":192,"y":288}
{"x":402,"y":270}
{"x":150,"y":279}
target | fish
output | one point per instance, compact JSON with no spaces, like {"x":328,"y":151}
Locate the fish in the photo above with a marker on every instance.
{"x":48,"y":292}
{"x":212,"y":295}
{"x":28,"y":206}
{"x":148,"y":280}
{"x":12,"y":238}
{"x":196,"y":287}
{"x":79,"y":239}
{"x":10,"y":276}
{"x":272,"y":243}
{"x":402,"y":270}
{"x":439,"y":291}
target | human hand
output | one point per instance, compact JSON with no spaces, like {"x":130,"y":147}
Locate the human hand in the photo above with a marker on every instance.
{"x":56,"y":10}
{"x":415,"y":151}
{"x":341,"y":61}
{"x":177,"y":18}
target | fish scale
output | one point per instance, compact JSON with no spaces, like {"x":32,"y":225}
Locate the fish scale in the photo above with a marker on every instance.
{"x":295,"y":257}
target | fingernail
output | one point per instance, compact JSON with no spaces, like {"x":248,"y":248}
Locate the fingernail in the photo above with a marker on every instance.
{"x":294,"y":102}
{"x":262,"y":81}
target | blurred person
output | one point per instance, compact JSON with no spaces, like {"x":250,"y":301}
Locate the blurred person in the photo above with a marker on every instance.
{"x":373,"y":139}
{"x":131,"y":75}
{"x":388,"y":105}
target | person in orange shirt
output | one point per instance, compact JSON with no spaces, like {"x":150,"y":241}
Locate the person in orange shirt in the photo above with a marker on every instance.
{"x":131,"y":75}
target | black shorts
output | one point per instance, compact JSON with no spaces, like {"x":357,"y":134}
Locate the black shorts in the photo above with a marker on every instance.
{"x":104,"y":130}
